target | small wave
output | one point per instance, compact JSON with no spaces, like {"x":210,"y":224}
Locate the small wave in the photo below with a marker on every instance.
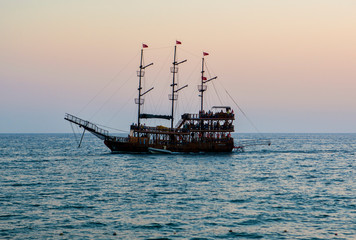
{"x":8,"y":216}
{"x":322,"y":216}
{"x":150,"y":226}
{"x":240,"y":200}
{"x":261,"y":179}
{"x":250,"y":222}
{"x":25,"y":184}
{"x":64,"y":207}
{"x":93,"y":225}
{"x":276,"y":219}
{"x":200,"y":180}
{"x":233,"y":234}
{"x":163,"y":238}
{"x":175,"y":225}
{"x":170,"y":192}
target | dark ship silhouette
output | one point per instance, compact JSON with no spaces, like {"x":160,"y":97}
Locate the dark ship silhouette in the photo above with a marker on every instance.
{"x":205,"y":131}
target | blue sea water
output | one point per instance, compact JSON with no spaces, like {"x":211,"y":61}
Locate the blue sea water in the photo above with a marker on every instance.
{"x":301,"y":187}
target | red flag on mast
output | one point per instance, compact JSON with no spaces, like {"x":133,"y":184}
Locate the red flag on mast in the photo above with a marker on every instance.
{"x":178,"y":42}
{"x":204,"y":78}
{"x":205,"y":54}
{"x":144,"y":45}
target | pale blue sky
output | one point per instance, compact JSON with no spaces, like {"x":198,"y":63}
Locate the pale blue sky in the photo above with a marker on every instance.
{"x":289,"y":64}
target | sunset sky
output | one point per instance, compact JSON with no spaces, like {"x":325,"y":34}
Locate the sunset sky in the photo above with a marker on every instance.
{"x":290,"y":65}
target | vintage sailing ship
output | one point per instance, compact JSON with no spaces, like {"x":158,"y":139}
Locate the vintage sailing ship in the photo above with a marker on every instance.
{"x":205,"y":131}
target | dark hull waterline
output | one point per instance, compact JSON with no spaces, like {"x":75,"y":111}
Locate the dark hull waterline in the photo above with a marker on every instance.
{"x":191,"y":147}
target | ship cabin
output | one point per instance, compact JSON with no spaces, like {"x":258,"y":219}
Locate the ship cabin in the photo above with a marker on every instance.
{"x":214,"y":125}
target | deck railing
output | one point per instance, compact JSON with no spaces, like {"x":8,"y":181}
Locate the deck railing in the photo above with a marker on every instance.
{"x":158,"y":129}
{"x":204,"y":116}
{"x":86,"y":124}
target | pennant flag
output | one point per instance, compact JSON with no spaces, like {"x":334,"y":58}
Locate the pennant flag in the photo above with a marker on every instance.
{"x":205,"y":54}
{"x":204,"y":78}
{"x":144,"y":45}
{"x":178,"y":42}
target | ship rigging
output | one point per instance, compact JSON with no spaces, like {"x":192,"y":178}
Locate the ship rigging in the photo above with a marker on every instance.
{"x":205,"y":131}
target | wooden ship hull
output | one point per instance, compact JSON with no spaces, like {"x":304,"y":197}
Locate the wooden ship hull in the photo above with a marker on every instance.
{"x":226,"y":145}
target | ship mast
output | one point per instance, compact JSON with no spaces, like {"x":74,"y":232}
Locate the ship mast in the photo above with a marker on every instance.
{"x":174,"y":70}
{"x":202,"y":88}
{"x":141,"y":73}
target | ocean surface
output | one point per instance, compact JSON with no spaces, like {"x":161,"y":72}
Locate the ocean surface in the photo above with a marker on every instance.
{"x":303,"y":186}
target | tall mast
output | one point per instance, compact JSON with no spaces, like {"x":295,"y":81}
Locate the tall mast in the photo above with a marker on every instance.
{"x":141,"y":73}
{"x":174,"y":70}
{"x":202,"y":88}
{"x":173,"y":83}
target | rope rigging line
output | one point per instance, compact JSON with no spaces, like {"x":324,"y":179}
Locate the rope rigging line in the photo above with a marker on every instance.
{"x":107,"y":84}
{"x":217,"y":94}
{"x":186,"y":51}
{"x":158,"y":106}
{"x":124,"y":131}
{"x":111,"y":96}
{"x":191,"y":106}
{"x":178,"y":104}
{"x":127,"y":80}
{"x":158,"y":48}
{"x":176,"y":101}
{"x":162,"y":94}
{"x":245,"y":115}
{"x":122,"y":106}
{"x":75,"y":136}
{"x":248,"y":119}
{"x":193,"y":71}
{"x":160,"y":70}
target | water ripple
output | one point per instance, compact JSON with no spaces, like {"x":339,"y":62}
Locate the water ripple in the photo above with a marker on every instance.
{"x":301,"y":187}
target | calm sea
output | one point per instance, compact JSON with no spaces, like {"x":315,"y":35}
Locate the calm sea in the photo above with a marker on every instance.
{"x":301,"y":187}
